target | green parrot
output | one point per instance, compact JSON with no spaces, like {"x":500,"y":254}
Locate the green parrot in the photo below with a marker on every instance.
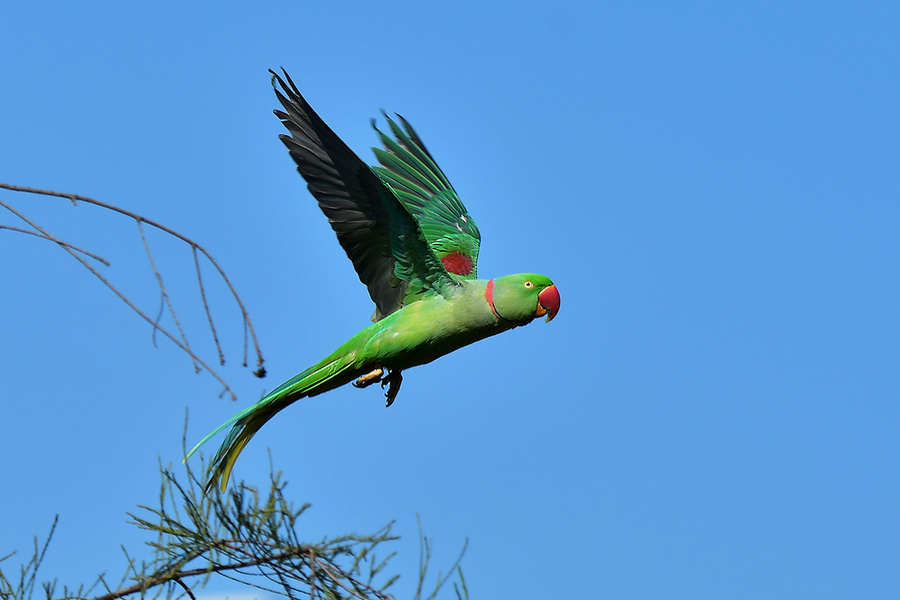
{"x":413,"y":245}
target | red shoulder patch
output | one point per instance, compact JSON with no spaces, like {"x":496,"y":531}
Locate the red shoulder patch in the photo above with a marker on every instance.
{"x":457,"y":263}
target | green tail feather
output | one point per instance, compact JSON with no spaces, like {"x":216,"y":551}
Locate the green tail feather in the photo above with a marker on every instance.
{"x":244,"y":425}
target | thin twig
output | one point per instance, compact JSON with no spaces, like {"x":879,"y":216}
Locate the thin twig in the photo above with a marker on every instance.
{"x":185,"y":587}
{"x":39,"y":556}
{"x":212,"y":326}
{"x":164,"y":295}
{"x":337,"y":580}
{"x":75,"y":198}
{"x":53,"y":239}
{"x":312,"y":576}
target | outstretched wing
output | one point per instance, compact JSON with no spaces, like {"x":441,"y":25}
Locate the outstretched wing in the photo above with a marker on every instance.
{"x":423,"y":188}
{"x":388,"y":249}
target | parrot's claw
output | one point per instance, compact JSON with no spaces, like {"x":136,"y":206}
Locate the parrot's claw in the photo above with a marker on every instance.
{"x":393,"y":380}
{"x":369,"y":378}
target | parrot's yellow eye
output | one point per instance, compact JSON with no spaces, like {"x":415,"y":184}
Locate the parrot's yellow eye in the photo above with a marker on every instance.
{"x":528,"y":284}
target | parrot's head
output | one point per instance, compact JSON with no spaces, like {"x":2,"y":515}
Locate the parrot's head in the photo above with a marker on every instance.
{"x":523,"y":297}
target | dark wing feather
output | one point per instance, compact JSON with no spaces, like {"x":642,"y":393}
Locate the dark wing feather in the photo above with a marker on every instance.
{"x":388,"y":249}
{"x":410,"y":170}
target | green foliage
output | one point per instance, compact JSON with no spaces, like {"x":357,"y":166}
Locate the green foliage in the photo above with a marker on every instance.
{"x":245,"y":536}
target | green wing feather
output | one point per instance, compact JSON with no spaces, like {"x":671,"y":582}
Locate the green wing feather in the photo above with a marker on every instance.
{"x":414,"y":176}
{"x":389,"y":250}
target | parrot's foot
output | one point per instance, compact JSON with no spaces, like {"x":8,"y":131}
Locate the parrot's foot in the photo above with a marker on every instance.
{"x":369,"y":378}
{"x":393,"y":380}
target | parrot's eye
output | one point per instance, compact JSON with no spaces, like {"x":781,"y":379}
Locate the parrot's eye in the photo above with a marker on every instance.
{"x":528,"y":285}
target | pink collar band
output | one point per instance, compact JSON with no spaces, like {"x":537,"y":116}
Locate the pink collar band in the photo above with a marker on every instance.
{"x":489,"y":296}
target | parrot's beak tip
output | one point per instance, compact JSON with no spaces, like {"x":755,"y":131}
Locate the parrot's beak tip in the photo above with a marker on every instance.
{"x":548,"y":302}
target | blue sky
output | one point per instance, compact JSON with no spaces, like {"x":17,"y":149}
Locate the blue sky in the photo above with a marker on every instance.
{"x":714,"y":189}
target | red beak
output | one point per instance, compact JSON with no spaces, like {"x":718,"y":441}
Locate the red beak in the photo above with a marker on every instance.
{"x":548,"y":303}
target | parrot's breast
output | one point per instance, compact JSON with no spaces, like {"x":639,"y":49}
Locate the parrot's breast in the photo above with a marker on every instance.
{"x":432,"y":327}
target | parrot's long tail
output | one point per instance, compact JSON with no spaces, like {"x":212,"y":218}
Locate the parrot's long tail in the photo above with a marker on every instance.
{"x":326,"y":375}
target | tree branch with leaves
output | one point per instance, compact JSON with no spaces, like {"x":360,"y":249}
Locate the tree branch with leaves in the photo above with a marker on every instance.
{"x":245,"y":536}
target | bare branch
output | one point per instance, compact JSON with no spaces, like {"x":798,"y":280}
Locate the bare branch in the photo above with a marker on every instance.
{"x":248,"y":325}
{"x":125,"y":300}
